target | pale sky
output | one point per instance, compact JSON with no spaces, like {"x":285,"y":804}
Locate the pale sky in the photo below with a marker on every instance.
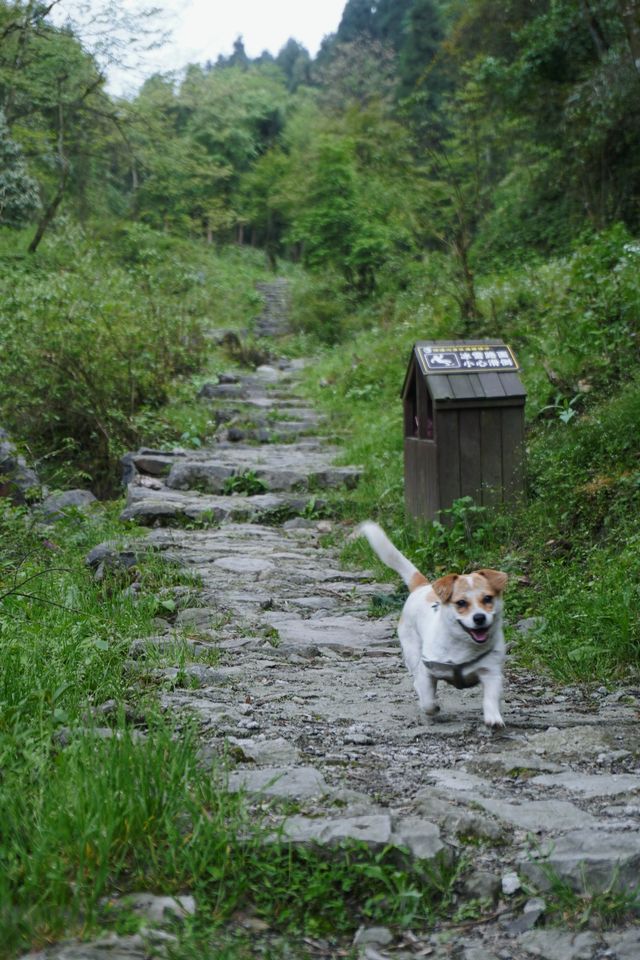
{"x":199,"y":30}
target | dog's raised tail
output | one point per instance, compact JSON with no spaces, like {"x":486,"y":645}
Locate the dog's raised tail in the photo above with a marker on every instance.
{"x":389,"y":554}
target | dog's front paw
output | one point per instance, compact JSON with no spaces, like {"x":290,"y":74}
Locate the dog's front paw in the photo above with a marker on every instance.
{"x":495,"y":722}
{"x":431,"y":710}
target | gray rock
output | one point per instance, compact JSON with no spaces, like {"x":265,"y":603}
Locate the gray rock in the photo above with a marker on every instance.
{"x":157,"y":465}
{"x":591,"y":785}
{"x":344,"y":634}
{"x":459,"y":781}
{"x":557,"y":945}
{"x":246,"y":566}
{"x":17,"y":480}
{"x":158,"y":909}
{"x":381,"y":936}
{"x":587,"y":861}
{"x":583,"y":741}
{"x":471,"y":825}
{"x":167,"y":507}
{"x":481,"y":884}
{"x":191,"y":675}
{"x":296,"y":782}
{"x":531,"y":913}
{"x":625,"y":945}
{"x":512,"y":761}
{"x":267,"y":373}
{"x":540,"y":816}
{"x":511,"y":883}
{"x":421,"y":837}
{"x":200,"y":618}
{"x":373,"y":829}
{"x":57,"y":505}
{"x":263,"y":751}
{"x":103,"y":551}
{"x":210,"y":391}
{"x":112,"y":947}
{"x":206,"y":476}
{"x":476,"y":952}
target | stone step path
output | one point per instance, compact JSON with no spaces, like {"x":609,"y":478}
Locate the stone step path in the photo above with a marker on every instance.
{"x":310,"y":698}
{"x":273,"y":321}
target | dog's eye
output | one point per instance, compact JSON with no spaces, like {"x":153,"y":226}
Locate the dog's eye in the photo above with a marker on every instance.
{"x":461,"y":604}
{"x":487,"y":599}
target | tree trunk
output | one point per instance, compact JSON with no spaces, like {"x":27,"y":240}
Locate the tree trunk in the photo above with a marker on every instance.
{"x":48,"y":216}
{"x":52,"y":208}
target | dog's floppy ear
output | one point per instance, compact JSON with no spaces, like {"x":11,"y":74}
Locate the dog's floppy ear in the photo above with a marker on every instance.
{"x":443,"y":588}
{"x":496,"y":579}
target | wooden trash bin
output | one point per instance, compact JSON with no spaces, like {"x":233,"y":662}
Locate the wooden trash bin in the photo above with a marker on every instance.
{"x":463,"y":425}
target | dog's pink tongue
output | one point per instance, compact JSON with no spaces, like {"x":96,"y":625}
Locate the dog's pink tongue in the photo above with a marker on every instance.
{"x":479,"y":635}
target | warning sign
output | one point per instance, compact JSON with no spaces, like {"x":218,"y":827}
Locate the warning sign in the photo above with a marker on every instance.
{"x":468,"y":358}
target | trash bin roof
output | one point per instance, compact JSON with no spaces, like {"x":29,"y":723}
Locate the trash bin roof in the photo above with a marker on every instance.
{"x":467,"y":370}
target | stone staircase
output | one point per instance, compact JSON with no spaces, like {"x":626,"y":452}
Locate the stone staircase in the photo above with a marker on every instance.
{"x":274,"y":319}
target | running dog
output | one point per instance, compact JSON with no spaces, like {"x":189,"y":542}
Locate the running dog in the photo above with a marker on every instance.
{"x":450,"y":629}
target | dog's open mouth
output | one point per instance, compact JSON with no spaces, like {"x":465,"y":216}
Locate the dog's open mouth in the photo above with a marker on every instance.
{"x":478,"y":634}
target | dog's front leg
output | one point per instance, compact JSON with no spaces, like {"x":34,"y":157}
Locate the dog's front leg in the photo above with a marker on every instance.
{"x":425,"y":686}
{"x":492,"y":692}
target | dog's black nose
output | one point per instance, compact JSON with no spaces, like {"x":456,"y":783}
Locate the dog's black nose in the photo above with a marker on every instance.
{"x":479,"y":619}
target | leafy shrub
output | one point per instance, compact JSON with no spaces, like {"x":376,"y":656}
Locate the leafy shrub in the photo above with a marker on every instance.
{"x":93,"y":334}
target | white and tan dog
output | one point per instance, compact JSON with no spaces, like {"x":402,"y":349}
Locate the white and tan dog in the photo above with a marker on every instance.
{"x":450,"y":629}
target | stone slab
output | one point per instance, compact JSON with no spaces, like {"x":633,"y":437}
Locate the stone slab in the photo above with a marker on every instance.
{"x":539,"y":816}
{"x":344,"y":633}
{"x":587,"y":860}
{"x":374,"y":830}
{"x":264,"y":751}
{"x":420,"y":836}
{"x":591,"y":784}
{"x":292,"y":782}
{"x":559,"y":945}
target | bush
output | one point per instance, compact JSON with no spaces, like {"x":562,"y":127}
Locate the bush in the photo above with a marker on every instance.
{"x":93,"y":332}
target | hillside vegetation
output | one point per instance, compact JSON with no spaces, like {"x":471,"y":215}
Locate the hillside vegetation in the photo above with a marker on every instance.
{"x":440,"y":169}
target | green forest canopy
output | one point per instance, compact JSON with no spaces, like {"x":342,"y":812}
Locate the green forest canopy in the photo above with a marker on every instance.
{"x":491,"y":128}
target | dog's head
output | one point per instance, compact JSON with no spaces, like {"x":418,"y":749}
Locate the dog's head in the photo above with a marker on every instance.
{"x":472,"y":603}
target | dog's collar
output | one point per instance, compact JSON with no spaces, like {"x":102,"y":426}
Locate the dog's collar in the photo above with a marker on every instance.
{"x":453,"y":672}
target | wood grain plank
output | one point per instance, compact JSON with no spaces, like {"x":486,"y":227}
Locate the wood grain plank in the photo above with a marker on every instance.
{"x":470,"y":454}
{"x":448,"y":457}
{"x":491,"y":455}
{"x":513,"y":453}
